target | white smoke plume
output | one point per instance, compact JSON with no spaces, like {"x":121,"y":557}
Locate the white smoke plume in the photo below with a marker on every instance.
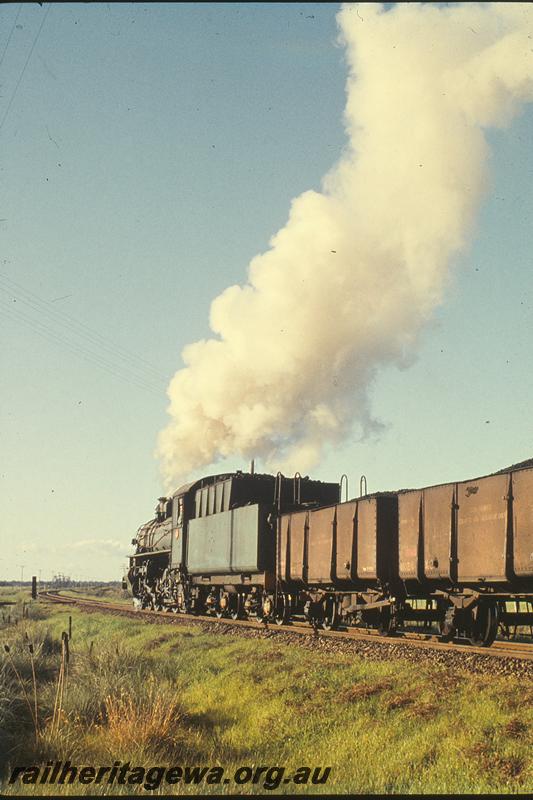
{"x":356,"y":272}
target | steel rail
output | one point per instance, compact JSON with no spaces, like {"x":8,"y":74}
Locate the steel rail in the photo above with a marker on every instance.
{"x":499,"y":649}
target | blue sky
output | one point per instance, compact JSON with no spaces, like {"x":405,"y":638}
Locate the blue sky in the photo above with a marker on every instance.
{"x":149,"y":153}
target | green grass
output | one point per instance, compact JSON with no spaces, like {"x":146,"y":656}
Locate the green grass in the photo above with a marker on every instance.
{"x":152,"y":694}
{"x":14,"y":594}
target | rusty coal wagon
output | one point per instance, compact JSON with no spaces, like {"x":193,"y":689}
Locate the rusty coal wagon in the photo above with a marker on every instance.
{"x":468,"y":549}
{"x":339,"y":562}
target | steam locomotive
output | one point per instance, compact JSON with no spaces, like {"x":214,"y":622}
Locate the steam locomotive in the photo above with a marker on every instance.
{"x":247,"y":545}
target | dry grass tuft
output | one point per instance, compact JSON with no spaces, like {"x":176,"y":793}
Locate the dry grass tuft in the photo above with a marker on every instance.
{"x":150,"y":720}
{"x":509,"y":767}
{"x":360,"y":691}
{"x":162,"y":639}
{"x":399,"y":701}
{"x":489,"y":761}
{"x":423,"y":711}
{"x":515,"y":728}
{"x":276,"y":655}
{"x":479,"y":751}
{"x":449,"y":680}
{"x":513,"y":700}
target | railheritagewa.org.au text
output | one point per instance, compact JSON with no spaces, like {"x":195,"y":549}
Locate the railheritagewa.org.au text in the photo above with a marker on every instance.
{"x":58,"y":773}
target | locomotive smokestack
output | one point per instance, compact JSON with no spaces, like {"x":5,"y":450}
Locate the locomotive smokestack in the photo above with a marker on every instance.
{"x":160,"y":508}
{"x":354,"y":276}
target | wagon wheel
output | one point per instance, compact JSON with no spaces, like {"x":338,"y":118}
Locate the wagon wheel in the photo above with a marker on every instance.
{"x":447,"y":632}
{"x":236,"y":607}
{"x":386,"y":624}
{"x":331,"y":614}
{"x":282,"y":612}
{"x":485,"y":624}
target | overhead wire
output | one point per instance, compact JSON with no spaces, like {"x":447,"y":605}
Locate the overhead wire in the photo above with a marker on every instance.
{"x":46,"y":332}
{"x":25,"y":66}
{"x":10,"y":35}
{"x":47,"y":307}
{"x":123,"y":371}
{"x":8,"y":286}
{"x":92,"y":358}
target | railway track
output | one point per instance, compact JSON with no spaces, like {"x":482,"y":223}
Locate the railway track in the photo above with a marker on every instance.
{"x":500,"y":651}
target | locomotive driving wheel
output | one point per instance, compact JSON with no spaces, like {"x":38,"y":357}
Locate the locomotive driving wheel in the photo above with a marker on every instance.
{"x":182,"y":603}
{"x":222,"y":606}
{"x":146,"y":601}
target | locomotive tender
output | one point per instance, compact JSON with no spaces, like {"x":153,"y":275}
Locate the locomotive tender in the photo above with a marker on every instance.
{"x":276,"y":549}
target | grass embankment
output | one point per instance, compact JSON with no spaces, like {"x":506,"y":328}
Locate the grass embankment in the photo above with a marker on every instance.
{"x":156,"y":695}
